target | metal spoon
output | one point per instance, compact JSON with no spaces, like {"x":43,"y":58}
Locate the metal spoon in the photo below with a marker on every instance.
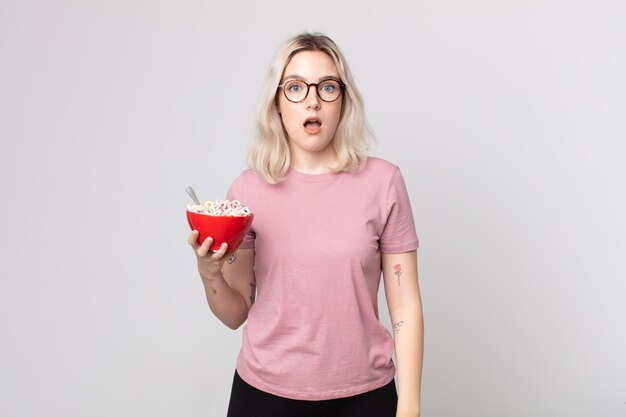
{"x":193,"y":195}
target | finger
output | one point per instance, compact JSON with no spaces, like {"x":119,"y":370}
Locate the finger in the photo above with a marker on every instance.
{"x":222,"y":251}
{"x":193,"y":239}
{"x":204,"y":248}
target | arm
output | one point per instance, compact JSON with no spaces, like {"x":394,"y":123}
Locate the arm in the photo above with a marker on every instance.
{"x":405,"y":309}
{"x":229,"y":281}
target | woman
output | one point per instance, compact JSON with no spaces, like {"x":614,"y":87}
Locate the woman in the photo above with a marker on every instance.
{"x":328,"y":220}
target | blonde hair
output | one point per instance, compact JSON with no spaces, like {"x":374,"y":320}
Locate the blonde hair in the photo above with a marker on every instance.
{"x":269,"y":153}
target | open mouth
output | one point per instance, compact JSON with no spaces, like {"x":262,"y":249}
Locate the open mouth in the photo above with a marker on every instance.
{"x":312,"y":123}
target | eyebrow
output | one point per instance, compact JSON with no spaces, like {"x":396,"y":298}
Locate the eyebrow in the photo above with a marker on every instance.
{"x":299,"y":77}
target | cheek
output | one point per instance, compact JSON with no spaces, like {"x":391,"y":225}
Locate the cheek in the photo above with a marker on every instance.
{"x":282,"y":104}
{"x":289,"y":120}
{"x":337,"y":115}
{"x":338,"y":109}
{"x":283,"y":109}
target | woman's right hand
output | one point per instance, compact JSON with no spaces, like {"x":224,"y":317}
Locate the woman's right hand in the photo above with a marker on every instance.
{"x":209,"y":263}
{"x":230,"y":293}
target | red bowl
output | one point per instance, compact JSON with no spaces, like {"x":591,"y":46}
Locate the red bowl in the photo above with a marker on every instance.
{"x":229,"y":229}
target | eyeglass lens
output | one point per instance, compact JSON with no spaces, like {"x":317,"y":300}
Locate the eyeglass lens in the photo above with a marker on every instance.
{"x":328,"y":90}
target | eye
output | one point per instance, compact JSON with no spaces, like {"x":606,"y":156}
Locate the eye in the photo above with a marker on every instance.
{"x":294,"y":87}
{"x":328,"y":87}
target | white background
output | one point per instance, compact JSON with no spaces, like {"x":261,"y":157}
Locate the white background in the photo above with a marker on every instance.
{"x":507,"y":119}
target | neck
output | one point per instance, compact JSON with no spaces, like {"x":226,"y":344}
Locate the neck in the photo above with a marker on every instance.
{"x":317,"y":163}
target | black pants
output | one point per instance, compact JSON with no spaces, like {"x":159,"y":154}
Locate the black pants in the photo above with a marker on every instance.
{"x":247,"y":401}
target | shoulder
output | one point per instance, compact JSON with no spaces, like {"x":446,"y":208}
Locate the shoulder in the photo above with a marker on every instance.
{"x":247,"y":176}
{"x":380,"y":168}
{"x":380,"y":164}
{"x":384,"y":175}
{"x":237,"y":186}
{"x":249,"y":183}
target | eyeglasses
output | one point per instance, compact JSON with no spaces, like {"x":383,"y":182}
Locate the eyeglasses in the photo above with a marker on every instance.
{"x":297,"y":90}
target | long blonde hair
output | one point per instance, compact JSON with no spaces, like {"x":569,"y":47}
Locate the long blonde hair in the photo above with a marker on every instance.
{"x":269,"y":153}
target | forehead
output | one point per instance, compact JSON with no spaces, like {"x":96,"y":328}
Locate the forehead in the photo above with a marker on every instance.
{"x":311,"y":65}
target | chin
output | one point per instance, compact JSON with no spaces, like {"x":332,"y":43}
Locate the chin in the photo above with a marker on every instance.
{"x":319,"y":148}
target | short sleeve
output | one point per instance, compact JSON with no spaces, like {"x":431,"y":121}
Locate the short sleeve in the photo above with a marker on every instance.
{"x":236,"y":192}
{"x":399,"y":230}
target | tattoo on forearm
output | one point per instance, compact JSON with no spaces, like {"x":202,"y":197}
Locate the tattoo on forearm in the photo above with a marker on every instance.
{"x":396,"y":326}
{"x":232,"y":258}
{"x":398,"y":271}
{"x":253,"y":293}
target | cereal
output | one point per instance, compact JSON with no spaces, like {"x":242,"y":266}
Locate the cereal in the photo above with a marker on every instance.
{"x":221,"y":208}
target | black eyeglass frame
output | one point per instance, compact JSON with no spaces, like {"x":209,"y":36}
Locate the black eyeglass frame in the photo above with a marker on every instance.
{"x":342,"y":86}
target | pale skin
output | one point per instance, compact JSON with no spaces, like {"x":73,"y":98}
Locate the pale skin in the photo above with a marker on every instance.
{"x":228,"y":276}
{"x":310,"y":153}
{"x":229,"y":287}
{"x":405,"y":310}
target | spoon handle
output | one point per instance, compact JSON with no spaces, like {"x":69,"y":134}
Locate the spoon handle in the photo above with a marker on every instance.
{"x":192,"y":194}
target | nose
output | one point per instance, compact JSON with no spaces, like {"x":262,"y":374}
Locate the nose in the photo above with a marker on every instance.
{"x":312,"y":100}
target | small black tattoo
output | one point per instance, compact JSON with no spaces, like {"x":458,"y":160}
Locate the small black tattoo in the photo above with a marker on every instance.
{"x":232,"y":258}
{"x":213,"y":290}
{"x":396,"y":326}
{"x":253,"y":294}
